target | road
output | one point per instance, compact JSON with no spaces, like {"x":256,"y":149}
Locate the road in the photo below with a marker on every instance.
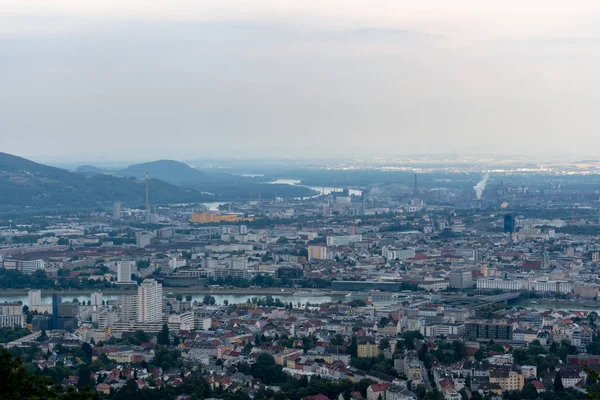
{"x":27,"y":338}
{"x":426,"y":381}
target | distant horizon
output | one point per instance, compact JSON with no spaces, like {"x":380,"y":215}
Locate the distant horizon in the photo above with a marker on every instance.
{"x":131,"y":80}
{"x":304,"y":161}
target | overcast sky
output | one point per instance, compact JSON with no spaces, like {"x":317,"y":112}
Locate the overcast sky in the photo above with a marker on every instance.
{"x":143,"y":79}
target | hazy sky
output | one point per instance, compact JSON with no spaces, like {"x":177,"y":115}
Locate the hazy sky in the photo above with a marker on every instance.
{"x":141,"y":79}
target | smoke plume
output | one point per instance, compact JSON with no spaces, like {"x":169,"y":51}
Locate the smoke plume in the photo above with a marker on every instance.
{"x":480,"y":187}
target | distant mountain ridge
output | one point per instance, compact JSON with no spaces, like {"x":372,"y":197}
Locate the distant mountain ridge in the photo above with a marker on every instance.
{"x":223,"y":185}
{"x":168,"y":170}
{"x":89,"y":169}
{"x":27,"y":183}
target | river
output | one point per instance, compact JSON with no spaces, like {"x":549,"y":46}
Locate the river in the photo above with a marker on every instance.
{"x":219,"y":298}
{"x":326,"y":190}
{"x":544,"y":304}
{"x":214,"y":206}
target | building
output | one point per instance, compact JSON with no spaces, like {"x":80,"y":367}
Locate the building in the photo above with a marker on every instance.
{"x":27,"y":267}
{"x":128,"y":308}
{"x":367,"y":348}
{"x":509,"y":285}
{"x":96,"y":300}
{"x":143,"y":239}
{"x":35,"y":298}
{"x":150,"y":301}
{"x":551,"y":286}
{"x":67,"y":316}
{"x":529,"y":371}
{"x":587,"y":292}
{"x":583,"y":359}
{"x":181,"y":322}
{"x":288,"y":272}
{"x":55,"y":302}
{"x":343,"y":240}
{"x":209,"y":217}
{"x":442,"y":329}
{"x":317,"y":253}
{"x":41,"y":323}
{"x":11,"y":315}
{"x":509,"y":224}
{"x":377,"y":391}
{"x":488,"y":330}
{"x":461,"y":279}
{"x":124,"y":271}
{"x":177,"y":262}
{"x":508,"y":380}
{"x":117,"y":210}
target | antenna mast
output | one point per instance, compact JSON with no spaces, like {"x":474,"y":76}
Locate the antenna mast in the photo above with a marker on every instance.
{"x":147,"y":197}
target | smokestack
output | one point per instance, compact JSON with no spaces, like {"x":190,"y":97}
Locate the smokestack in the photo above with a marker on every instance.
{"x":480,"y":187}
{"x":416,"y":187}
{"x":147,"y":197}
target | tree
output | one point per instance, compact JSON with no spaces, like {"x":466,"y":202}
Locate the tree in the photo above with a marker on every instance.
{"x":43,"y":336}
{"x":529,"y":392}
{"x":384,"y":344}
{"x":434,"y":395}
{"x":338,"y":340}
{"x":188,"y":297}
{"x":593,"y":317}
{"x":16,"y":383}
{"x":209,"y":300}
{"x":87,"y":352}
{"x":479,"y":354}
{"x":353,"y":348}
{"x":420,"y":391}
{"x":141,"y":336}
{"x":163,"y":336}
{"x":558,"y":385}
{"x":179,"y":297}
{"x":226,"y":302}
{"x":266,"y":369}
{"x":84,"y":375}
{"x":399,"y":346}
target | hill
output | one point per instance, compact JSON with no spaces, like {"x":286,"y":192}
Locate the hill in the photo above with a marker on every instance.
{"x":222,"y":185}
{"x":89,"y":170}
{"x":26,"y":183}
{"x":167,"y":170}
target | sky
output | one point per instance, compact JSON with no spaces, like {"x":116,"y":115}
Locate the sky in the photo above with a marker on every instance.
{"x":146,"y":79}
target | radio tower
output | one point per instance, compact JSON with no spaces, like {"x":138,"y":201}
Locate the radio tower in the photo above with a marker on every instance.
{"x":147,"y":200}
{"x":416,"y":189}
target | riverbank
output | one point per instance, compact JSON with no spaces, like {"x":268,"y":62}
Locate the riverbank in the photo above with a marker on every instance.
{"x":250,"y":292}
{"x":563,"y":304}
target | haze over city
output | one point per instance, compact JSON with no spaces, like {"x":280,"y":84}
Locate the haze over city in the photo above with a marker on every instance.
{"x":299,"y":200}
{"x":183,"y":79}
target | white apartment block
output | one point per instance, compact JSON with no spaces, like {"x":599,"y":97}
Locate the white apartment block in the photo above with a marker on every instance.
{"x":11,"y":315}
{"x":343,"y":240}
{"x":96,"y":300}
{"x":177,"y":262}
{"x":124,"y":271}
{"x":28,"y":267}
{"x":551,"y":286}
{"x":35,"y":297}
{"x":149,"y":301}
{"x":502,"y":284}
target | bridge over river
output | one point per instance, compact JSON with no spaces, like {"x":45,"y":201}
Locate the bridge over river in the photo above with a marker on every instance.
{"x":478,"y":301}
